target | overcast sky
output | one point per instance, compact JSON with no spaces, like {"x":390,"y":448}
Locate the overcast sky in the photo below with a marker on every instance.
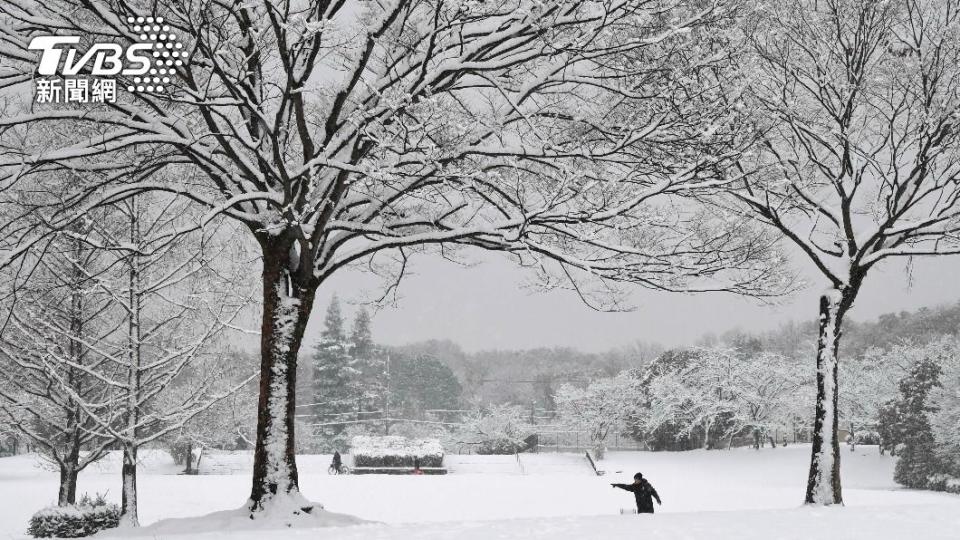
{"x":485,"y":307}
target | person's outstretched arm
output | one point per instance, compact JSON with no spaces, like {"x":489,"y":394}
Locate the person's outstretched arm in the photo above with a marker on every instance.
{"x":627,"y":487}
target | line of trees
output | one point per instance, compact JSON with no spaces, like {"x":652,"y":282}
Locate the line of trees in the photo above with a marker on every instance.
{"x":697,"y":398}
{"x":114,"y":338}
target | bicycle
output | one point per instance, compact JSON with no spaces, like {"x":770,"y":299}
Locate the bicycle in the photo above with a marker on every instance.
{"x":343,"y":470}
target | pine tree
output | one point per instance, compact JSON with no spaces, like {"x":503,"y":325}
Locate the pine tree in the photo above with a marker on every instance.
{"x":334,"y":375}
{"x":370,"y":364}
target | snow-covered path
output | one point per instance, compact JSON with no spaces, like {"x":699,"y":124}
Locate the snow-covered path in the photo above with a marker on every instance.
{"x":488,"y":499}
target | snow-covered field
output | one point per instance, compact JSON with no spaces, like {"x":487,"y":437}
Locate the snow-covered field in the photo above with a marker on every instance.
{"x":741,"y":494}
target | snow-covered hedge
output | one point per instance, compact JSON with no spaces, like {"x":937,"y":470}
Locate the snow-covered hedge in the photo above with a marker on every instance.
{"x":82,"y":519}
{"x":944,"y":482}
{"x":394,"y":451}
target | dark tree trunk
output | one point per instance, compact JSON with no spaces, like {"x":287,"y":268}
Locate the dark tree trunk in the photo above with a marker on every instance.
{"x":70,"y":465}
{"x":823,"y":483}
{"x":128,"y":474}
{"x":287,"y":302}
{"x":68,"y":485}
{"x":188,"y":457}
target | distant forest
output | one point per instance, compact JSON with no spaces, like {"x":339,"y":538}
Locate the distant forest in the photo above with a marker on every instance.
{"x":530,"y":377}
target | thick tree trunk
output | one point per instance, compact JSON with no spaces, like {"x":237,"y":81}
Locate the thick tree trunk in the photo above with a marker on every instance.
{"x":286,"y":308}
{"x":128,"y":474}
{"x":823,"y":483}
{"x":68,"y":484}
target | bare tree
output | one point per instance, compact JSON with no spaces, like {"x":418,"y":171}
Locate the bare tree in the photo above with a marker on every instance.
{"x":54,"y":324}
{"x":344,"y":133}
{"x":172,"y":308}
{"x":857,"y":106}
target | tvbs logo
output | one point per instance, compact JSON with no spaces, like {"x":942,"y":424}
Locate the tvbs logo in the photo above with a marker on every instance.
{"x":147,"y":64}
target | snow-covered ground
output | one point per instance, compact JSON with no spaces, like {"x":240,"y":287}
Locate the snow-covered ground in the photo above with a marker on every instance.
{"x":741,"y":494}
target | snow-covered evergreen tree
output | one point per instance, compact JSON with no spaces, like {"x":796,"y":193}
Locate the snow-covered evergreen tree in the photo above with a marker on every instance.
{"x":918,"y":460}
{"x":335,"y":377}
{"x":370,"y":363}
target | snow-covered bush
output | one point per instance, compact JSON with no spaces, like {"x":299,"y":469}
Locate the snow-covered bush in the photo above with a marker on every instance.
{"x":395,"y":451}
{"x":870,"y":437}
{"x":87,"y":517}
{"x":499,"y":429}
{"x":943,"y":482}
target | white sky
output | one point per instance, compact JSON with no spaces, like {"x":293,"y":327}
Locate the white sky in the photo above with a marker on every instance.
{"x":484,"y":307}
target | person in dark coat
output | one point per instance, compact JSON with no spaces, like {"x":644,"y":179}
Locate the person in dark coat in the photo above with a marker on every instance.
{"x":337,"y":462}
{"x":643,"y":492}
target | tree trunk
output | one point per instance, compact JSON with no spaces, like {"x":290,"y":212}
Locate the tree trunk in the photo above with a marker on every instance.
{"x":128,"y":474}
{"x":706,"y":434}
{"x":188,"y":457}
{"x":599,"y":450}
{"x":823,"y":483}
{"x":287,"y":303}
{"x":70,"y":465}
{"x":68,"y":484}
{"x":128,"y":506}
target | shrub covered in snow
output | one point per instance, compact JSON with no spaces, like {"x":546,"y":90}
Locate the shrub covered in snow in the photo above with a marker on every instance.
{"x":499,"y":429}
{"x":394,"y":451}
{"x":863,"y":437}
{"x":82,"y":519}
